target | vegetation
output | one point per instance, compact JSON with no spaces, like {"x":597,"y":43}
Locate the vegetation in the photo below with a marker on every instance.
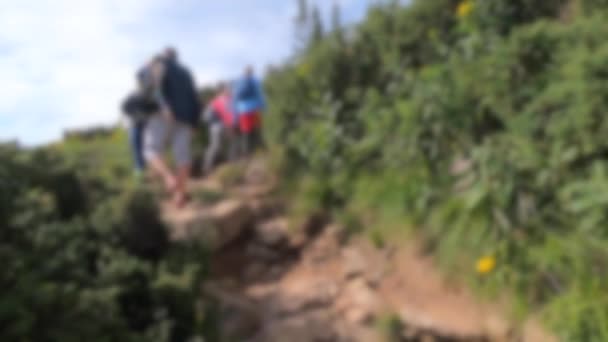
{"x":481,"y":123}
{"x":85,"y":256}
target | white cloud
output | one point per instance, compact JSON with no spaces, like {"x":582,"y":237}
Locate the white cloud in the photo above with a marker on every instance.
{"x":68,"y":63}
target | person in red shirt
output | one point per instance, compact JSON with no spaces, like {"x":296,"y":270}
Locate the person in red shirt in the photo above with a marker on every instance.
{"x":220,"y":121}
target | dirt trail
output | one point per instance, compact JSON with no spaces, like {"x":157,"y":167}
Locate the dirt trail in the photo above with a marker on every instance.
{"x":288,"y":284}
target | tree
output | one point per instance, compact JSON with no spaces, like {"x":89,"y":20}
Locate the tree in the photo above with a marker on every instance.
{"x":301,"y":24}
{"x":317,"y":30}
{"x":336,"y":23}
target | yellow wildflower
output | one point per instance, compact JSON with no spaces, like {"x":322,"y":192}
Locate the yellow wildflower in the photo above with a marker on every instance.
{"x":486,"y":264}
{"x":464,"y":8}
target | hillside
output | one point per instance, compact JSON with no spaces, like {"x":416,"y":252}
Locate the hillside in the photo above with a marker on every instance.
{"x":435,"y":172}
{"x":478,"y":125}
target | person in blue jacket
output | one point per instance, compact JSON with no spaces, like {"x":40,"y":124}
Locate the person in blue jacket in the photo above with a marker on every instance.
{"x":248,"y":103}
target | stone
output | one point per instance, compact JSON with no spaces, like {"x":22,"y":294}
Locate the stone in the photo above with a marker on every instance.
{"x":272,"y":233}
{"x":359,"y":315}
{"x":297,"y":241}
{"x":497,"y":328}
{"x":254,"y":271}
{"x":216,"y":226}
{"x":276,"y":271}
{"x":261,"y":253}
{"x":355,"y":264}
{"x":230,"y":217}
{"x":358,"y":303}
{"x":427,"y":337}
{"x":306,"y":295}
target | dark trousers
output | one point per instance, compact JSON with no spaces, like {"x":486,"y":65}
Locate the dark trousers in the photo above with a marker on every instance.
{"x":249,"y":142}
{"x":136,"y":140}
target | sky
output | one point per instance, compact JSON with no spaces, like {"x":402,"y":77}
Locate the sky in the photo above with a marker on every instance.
{"x":69,"y":63}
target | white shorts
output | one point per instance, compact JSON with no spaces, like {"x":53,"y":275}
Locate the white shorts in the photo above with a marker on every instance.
{"x":157,"y":133}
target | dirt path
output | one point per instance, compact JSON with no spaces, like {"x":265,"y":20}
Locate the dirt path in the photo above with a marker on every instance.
{"x":280,"y":283}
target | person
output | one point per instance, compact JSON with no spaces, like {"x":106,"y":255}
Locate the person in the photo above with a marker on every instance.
{"x":248,"y":104}
{"x":219,"y":119}
{"x":179,"y":110}
{"x":137,"y":107}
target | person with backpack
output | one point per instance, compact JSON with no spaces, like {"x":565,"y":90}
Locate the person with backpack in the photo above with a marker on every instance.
{"x":138,"y":107}
{"x":179,"y":112}
{"x":219,"y":119}
{"x":248,"y":103}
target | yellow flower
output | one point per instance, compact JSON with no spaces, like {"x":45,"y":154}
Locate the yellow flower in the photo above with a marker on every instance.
{"x":486,"y":264}
{"x":464,"y":8}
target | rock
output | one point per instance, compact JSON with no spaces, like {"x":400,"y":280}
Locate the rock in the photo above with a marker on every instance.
{"x":276,"y":271}
{"x":497,"y":328}
{"x":261,"y":253}
{"x":374,"y":278}
{"x":229,"y":299}
{"x":254,"y":271}
{"x":297,"y":241}
{"x":216,"y":227}
{"x":323,"y":248}
{"x":358,"y":303}
{"x":231,"y":218}
{"x":427,"y":337}
{"x":265,"y":208}
{"x":257,"y":173}
{"x":314,"y":326}
{"x":273,"y":232}
{"x":354,"y":263}
{"x":238,"y":326}
{"x":359,"y":315}
{"x":410,"y":333}
{"x":306,"y":295}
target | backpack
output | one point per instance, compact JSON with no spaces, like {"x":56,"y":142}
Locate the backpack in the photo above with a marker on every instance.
{"x":145,"y":80}
{"x":247,"y":89}
{"x":138,"y":106}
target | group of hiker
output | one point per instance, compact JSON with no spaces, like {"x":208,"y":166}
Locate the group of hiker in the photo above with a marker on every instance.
{"x":166,"y":109}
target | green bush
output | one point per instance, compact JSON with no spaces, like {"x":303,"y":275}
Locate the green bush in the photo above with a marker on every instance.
{"x":84,"y":263}
{"x":375,"y":126}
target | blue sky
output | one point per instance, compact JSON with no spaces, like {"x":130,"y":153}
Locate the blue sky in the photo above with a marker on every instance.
{"x":68,"y":63}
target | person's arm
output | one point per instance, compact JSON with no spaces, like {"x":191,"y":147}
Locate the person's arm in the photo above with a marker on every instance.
{"x":260,"y":94}
{"x":160,"y":91}
{"x":233,"y":103}
{"x":207,"y":115}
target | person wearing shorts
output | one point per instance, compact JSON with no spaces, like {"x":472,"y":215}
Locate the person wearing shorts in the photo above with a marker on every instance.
{"x":174,"y":124}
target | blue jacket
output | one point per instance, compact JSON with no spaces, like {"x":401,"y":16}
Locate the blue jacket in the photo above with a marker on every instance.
{"x":247,"y":96}
{"x":179,"y":93}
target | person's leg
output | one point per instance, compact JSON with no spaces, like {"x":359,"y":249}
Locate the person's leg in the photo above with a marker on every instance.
{"x":132,"y":130}
{"x":245,"y":134}
{"x":261,"y":140}
{"x":181,"y":152}
{"x":256,"y":134}
{"x":233,"y":137}
{"x":139,"y":146}
{"x":211,"y":154}
{"x":155,"y":135}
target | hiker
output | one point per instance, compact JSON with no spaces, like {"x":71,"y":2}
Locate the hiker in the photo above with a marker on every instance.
{"x":138,"y":107}
{"x":179,"y":110}
{"x":219,"y":119}
{"x":248,"y":104}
